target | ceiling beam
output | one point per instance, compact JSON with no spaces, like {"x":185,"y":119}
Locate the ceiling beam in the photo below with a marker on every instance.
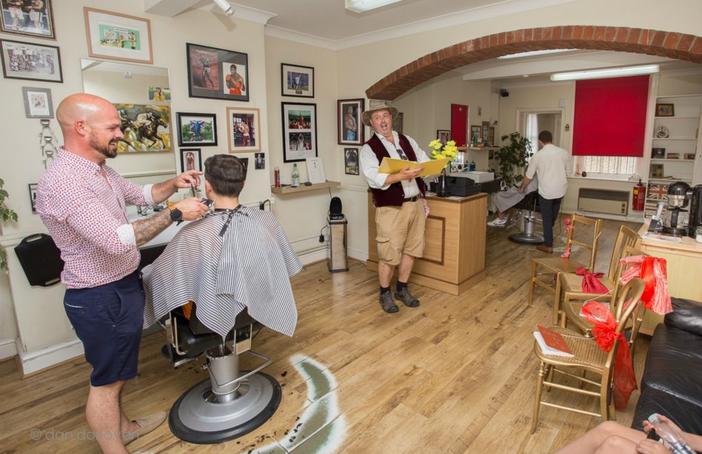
{"x":168,"y":8}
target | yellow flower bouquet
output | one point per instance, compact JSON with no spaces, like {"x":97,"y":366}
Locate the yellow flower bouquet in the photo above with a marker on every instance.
{"x":441,"y":151}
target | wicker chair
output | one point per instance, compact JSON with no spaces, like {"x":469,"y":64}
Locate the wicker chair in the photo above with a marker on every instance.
{"x":551,"y":266}
{"x":588,"y":357}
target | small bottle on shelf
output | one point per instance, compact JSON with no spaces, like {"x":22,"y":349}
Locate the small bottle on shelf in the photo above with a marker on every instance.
{"x":276,"y":177}
{"x":295,"y":176}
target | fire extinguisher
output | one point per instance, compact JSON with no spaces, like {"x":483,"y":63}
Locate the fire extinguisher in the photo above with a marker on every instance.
{"x":639,"y":196}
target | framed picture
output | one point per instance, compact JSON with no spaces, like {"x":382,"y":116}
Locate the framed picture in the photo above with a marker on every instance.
{"x":350,"y":127}
{"x":491,"y":135}
{"x":159,"y":94}
{"x":476,"y":134}
{"x":190,"y":159}
{"x":33,"y":196}
{"x":673,"y":155}
{"x":297,"y":80}
{"x":656,"y":170}
{"x":665,"y":110}
{"x":657,"y":153}
{"x":217,"y":73}
{"x":443,"y":135}
{"x":351,"y":161}
{"x":31,"y":18}
{"x":299,"y":131}
{"x":485,"y":131}
{"x":37,"y":102}
{"x":197,"y":129}
{"x":118,"y":36}
{"x":690,"y":156}
{"x":146,"y":128}
{"x":243,"y":129}
{"x":30,"y":61}
{"x":399,"y":124}
{"x":260,"y":161}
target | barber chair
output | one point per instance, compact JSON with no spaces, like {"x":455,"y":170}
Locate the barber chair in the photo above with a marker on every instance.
{"x":528,"y":235}
{"x":230,"y":403}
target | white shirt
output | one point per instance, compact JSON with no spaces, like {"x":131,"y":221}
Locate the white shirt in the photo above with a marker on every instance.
{"x":369,"y":164}
{"x":552,"y":165}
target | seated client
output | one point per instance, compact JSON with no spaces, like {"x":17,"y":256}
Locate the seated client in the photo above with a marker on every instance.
{"x":234,"y":258}
{"x":505,"y":200}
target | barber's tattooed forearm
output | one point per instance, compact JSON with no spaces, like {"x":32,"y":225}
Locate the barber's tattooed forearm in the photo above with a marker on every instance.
{"x":147,"y":229}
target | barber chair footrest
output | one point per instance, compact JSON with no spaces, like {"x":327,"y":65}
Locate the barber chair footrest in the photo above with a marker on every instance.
{"x":523,"y":238}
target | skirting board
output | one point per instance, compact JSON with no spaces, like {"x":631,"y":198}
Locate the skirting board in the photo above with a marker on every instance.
{"x":41,"y":359}
{"x":8,"y":348}
{"x":313,"y":256}
{"x":360,"y":255}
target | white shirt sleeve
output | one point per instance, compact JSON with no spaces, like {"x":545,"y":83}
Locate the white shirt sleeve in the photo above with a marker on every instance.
{"x":147,"y":194}
{"x":369,"y":167}
{"x":126,"y":235}
{"x":531,"y":168}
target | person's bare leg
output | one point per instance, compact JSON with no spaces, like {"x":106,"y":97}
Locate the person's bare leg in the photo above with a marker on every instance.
{"x":104,"y":417}
{"x":126,"y":424}
{"x":595,"y":438}
{"x":405,"y":269}
{"x":385,"y":273}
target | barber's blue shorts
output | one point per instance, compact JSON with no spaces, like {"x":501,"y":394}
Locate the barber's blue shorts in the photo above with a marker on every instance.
{"x":108,"y":320}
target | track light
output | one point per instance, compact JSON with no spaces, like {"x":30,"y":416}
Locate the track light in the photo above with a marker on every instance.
{"x":225,"y":6}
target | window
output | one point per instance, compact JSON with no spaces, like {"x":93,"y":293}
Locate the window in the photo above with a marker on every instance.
{"x":621,"y":165}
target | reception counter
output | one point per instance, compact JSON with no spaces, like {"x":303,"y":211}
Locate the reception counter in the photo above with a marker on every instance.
{"x":454,"y":251}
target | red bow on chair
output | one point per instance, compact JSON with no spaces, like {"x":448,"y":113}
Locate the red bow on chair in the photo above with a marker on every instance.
{"x":605,"y":333}
{"x":653,"y":271}
{"x":591,"y":283}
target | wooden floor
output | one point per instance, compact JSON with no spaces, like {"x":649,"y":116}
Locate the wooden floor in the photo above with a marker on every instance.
{"x":456,"y":375}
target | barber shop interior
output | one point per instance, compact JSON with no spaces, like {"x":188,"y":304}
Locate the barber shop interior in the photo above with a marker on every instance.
{"x":351,"y":226}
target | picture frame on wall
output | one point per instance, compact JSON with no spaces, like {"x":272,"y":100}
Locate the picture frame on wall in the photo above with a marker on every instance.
{"x":117,"y":36}
{"x":197,"y":129}
{"x":190,"y":159}
{"x":351,"y":161}
{"x":491,"y":136}
{"x":31,"y":18}
{"x":33,"y":196}
{"x":485,"y":131}
{"x":443,"y":135}
{"x":243,"y":129}
{"x":299,"y":131}
{"x":476,"y":134}
{"x":350,"y":130}
{"x":37,"y":102}
{"x":296,"y":80}
{"x":665,"y":110}
{"x":29,"y":61}
{"x":146,"y":128}
{"x":217,"y":73}
{"x":399,"y":123}
{"x":657,"y":153}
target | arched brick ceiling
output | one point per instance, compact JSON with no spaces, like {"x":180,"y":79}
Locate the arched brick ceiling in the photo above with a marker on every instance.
{"x":637,"y":40}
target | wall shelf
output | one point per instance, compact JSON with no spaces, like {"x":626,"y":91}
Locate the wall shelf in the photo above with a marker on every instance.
{"x":286,"y":190}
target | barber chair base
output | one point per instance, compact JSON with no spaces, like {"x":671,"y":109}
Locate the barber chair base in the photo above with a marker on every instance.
{"x":199,"y":417}
{"x":527,"y":235}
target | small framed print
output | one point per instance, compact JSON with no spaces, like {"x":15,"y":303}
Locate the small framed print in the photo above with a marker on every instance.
{"x":190,"y":159}
{"x":689,"y":156}
{"x":260,"y":161}
{"x":30,"y":61}
{"x":350,"y":127}
{"x":485,"y":133}
{"x":299,"y":131}
{"x":297,"y":80}
{"x":657,"y":153}
{"x":37,"y":102}
{"x":476,"y":134}
{"x":217,"y":73}
{"x":197,"y":129}
{"x":27,"y":17}
{"x":351,"y":161}
{"x":399,"y":123}
{"x":443,"y":135}
{"x":118,"y":36}
{"x":491,"y":136}
{"x":159,"y":94}
{"x":672,"y":155}
{"x":656,"y":170}
{"x":33,"y":196}
{"x":665,"y":110}
{"x":243,"y":129}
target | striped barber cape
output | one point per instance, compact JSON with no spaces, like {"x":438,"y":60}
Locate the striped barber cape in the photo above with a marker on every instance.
{"x":225,"y":267}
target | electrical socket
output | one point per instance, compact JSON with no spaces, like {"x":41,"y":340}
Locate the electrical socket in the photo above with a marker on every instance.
{"x":321,"y":238}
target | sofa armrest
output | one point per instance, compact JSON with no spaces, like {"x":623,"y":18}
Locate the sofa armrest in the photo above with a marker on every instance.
{"x":686,"y":315}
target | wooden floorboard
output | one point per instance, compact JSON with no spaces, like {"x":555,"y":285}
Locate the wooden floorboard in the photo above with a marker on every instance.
{"x":456,"y":375}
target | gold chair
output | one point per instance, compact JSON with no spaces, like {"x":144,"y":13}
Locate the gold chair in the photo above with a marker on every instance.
{"x":569,"y":285}
{"x":587,"y":358}
{"x":554,"y":265}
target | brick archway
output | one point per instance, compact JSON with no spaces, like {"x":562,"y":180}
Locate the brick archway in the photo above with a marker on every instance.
{"x":637,"y":40}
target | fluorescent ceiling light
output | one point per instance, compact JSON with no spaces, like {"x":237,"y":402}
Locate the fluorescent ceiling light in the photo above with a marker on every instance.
{"x":361,"y":6}
{"x":225,"y":6}
{"x":605,"y":73}
{"x":534,"y":53}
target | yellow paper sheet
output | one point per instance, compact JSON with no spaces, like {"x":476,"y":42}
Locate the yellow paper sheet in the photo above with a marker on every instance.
{"x":433,"y":167}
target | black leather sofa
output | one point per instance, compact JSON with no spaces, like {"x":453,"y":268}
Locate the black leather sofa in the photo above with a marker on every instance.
{"x":672,"y":381}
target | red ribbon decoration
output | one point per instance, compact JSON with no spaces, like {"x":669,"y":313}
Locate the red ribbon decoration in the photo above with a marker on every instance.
{"x":591,"y":283}
{"x":653,"y":271}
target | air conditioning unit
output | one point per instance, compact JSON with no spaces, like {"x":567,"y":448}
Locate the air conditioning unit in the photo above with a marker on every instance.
{"x":603,"y":201}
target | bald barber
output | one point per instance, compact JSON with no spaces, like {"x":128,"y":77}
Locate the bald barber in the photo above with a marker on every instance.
{"x":83,"y":203}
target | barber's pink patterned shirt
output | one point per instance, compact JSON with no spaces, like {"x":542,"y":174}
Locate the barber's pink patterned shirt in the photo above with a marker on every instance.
{"x":82,"y":212}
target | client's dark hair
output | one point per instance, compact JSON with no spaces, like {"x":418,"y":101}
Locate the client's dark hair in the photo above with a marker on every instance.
{"x":226,"y":174}
{"x":546,"y":136}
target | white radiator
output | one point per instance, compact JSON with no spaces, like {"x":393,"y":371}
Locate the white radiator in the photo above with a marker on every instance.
{"x":603,"y":201}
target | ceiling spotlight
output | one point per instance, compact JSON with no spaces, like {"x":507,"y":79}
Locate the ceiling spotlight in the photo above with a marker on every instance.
{"x":225,"y":6}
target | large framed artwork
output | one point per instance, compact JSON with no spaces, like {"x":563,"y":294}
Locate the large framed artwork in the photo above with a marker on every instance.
{"x":146,"y":128}
{"x":118,"y":36}
{"x":197,"y":129}
{"x":350,"y":126}
{"x":243,"y":129}
{"x":217,"y":73}
{"x":28,"y":61}
{"x":27,"y":17}
{"x":299,"y":131}
{"x":297,"y":80}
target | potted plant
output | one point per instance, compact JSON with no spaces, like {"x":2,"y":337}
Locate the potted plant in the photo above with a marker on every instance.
{"x":6,"y":215}
{"x":512,"y":158}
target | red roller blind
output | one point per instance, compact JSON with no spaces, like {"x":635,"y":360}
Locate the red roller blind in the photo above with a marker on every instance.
{"x":459,"y":123}
{"x":610,"y":116}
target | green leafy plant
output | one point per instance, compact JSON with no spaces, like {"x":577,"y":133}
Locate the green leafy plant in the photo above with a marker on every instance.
{"x":512,"y":158}
{"x":6,"y":215}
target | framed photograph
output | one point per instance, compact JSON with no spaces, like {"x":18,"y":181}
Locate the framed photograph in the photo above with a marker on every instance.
{"x":351,"y":161}
{"x":657,"y":153}
{"x":399,"y":124}
{"x":656,"y":170}
{"x":146,"y":128}
{"x":217,"y":73}
{"x":299,"y":131}
{"x":243,"y":129}
{"x":485,"y":131}
{"x":690,"y":156}
{"x":33,"y":196}
{"x":665,"y":110}
{"x":37,"y":102}
{"x":349,"y":125}
{"x":260,"y":161}
{"x":190,"y":159}
{"x":491,"y":135}
{"x":443,"y":135}
{"x":30,"y":61}
{"x":672,"y":155}
{"x":118,"y":36}
{"x":476,"y":134}
{"x":197,"y":129}
{"x":297,"y":80}
{"x":159,"y":94}
{"x":31,"y":18}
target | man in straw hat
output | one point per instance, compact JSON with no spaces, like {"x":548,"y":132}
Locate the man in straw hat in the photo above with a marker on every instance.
{"x":399,"y":200}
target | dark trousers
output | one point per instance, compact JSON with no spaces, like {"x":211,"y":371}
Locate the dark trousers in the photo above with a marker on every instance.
{"x":549,"y":212}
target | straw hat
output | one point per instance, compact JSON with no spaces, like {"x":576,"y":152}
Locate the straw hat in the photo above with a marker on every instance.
{"x":375,"y":105}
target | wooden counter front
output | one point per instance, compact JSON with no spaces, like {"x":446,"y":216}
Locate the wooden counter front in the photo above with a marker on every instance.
{"x":454,"y":248}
